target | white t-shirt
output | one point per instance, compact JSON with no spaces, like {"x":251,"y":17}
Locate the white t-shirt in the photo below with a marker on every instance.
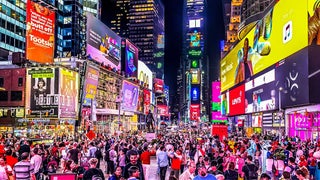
{"x":3,"y":174}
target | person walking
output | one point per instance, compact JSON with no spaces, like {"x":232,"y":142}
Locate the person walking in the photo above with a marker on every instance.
{"x":36,"y":161}
{"x":24,"y":169}
{"x":162,"y":160}
{"x":93,"y":172}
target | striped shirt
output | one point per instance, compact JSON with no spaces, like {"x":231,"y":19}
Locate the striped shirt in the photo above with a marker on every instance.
{"x":23,"y":170}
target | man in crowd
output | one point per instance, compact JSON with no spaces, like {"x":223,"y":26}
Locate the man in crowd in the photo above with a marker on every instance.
{"x":162,"y":160}
{"x":189,"y":173}
{"x":24,"y":169}
{"x":36,"y":161}
{"x":134,"y":173}
{"x":133,"y":156}
{"x":93,"y":172}
{"x":203,"y":175}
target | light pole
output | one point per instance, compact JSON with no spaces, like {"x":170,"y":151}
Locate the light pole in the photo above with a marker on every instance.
{"x":280,"y":111}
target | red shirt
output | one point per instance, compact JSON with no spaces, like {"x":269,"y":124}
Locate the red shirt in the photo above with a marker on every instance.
{"x":145,"y":157}
{"x":11,"y":161}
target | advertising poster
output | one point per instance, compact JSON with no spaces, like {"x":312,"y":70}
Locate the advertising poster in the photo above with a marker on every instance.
{"x":225,"y":103}
{"x":69,"y":91}
{"x":131,"y":59}
{"x":261,"y":93}
{"x":219,"y":130}
{"x":195,"y":76}
{"x":91,"y":83}
{"x":195,"y":112}
{"x":195,"y":38}
{"x":292,"y":77}
{"x":280,"y":33}
{"x":42,"y":93}
{"x":236,"y":100}
{"x":130,"y":95}
{"x":217,"y":116}
{"x":195,"y":94}
{"x":40,"y":33}
{"x":257,"y":120}
{"x":163,"y":110}
{"x":158,"y":85}
{"x":216,"y":92}
{"x":103,"y":45}
{"x":146,"y":98}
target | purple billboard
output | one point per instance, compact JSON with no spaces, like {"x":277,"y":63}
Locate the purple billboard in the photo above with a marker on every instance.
{"x":130,"y":96}
{"x":216,"y":92}
{"x":103,"y":45}
{"x":91,"y":83}
{"x":131,"y":59}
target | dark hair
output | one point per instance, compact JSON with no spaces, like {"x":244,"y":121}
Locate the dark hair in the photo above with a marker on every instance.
{"x":132,"y":170}
{"x":9,"y":152}
{"x":286,"y":175}
{"x":249,"y":157}
{"x":265,"y":175}
{"x":35,"y":150}
{"x":231,"y":165}
{"x":41,"y":80}
{"x":291,"y":159}
{"x":24,"y":156}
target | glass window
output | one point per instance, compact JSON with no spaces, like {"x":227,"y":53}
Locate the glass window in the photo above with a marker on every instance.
{"x":16,"y":95}
{"x":1,"y":81}
{"x":20,"y":81}
{"x":3,"y":95}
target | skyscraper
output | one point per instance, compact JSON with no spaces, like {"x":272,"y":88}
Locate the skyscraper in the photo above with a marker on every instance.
{"x":93,"y":7}
{"x":12,"y":27}
{"x":194,"y":65}
{"x":143,"y":23}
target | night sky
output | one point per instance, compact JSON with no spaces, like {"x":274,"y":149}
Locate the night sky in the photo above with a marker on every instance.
{"x":173,"y":37}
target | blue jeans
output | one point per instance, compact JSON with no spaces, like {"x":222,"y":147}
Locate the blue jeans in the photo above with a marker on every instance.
{"x":163,"y":171}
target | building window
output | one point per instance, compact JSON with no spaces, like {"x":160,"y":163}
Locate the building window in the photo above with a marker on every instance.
{"x":20,"y":81}
{"x":16,"y":95}
{"x":1,"y":81}
{"x":3,"y":95}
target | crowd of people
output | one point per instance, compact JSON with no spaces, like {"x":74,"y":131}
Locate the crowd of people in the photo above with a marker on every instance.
{"x":184,"y":155}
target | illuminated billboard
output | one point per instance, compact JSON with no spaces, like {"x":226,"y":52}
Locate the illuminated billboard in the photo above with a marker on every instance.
{"x":195,"y":38}
{"x":69,"y":91}
{"x":195,"y":112}
{"x":131,"y":59}
{"x":158,"y":85}
{"x":42,"y":92}
{"x":91,"y":84}
{"x":130,"y":95}
{"x":216,"y":92}
{"x":195,"y":94}
{"x":103,"y":45}
{"x":163,"y":110}
{"x":145,"y":75}
{"x":237,"y":101}
{"x":195,"y":76}
{"x":146,"y":100}
{"x":282,"y":32}
{"x":39,"y":33}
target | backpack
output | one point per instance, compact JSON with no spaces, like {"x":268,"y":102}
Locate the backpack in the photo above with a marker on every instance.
{"x":252,"y":172}
{"x":98,"y":154}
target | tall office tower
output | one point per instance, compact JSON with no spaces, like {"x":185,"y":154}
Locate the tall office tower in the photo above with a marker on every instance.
{"x":194,"y":63}
{"x":12,"y":27}
{"x":70,"y":29}
{"x":142,"y":22}
{"x":233,"y":25}
{"x":93,"y":7}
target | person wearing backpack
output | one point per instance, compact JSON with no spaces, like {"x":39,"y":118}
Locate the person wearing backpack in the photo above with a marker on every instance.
{"x":93,"y":173}
{"x":250,"y":170}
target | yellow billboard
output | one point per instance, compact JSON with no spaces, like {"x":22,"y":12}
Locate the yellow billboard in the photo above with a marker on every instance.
{"x":282,"y":32}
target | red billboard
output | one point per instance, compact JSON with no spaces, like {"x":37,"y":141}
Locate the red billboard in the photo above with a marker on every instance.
{"x":40,"y":33}
{"x":195,"y":112}
{"x":237,"y":100}
{"x":163,"y":110}
{"x":158,"y":85}
{"x":146,"y":98}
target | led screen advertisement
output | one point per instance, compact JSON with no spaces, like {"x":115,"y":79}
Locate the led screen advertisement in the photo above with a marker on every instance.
{"x":195,"y":76}
{"x":195,"y":94}
{"x":195,"y":38}
{"x":261,"y":93}
{"x":282,"y":32}
{"x":292,"y":77}
{"x":237,"y":100}
{"x":216,"y":92}
{"x":39,"y":33}
{"x":131,"y":59}
{"x":103,"y":45}
{"x":130,"y":95}
{"x":146,"y":100}
{"x":42,"y":93}
{"x":90,"y":85}
{"x":69,"y":83}
{"x":217,"y":116}
{"x":163,"y":110}
{"x":225,"y":103}
{"x":158,"y":85}
{"x":194,"y":112}
{"x":257,"y":120}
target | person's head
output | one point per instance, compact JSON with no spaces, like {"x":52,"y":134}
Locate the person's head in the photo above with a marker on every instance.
{"x":35,"y":151}
{"x":41,"y":83}
{"x":220,"y":177}
{"x":9,"y":152}
{"x":133,"y":156}
{"x":2,"y":160}
{"x":206,"y":160}
{"x":24,"y":156}
{"x":67,"y":165}
{"x":286,"y":175}
{"x":301,"y":174}
{"x":93,"y":162}
{"x":202,"y":171}
{"x":231,"y":165}
{"x":134,"y":171}
{"x":265,"y":176}
{"x":118,"y":171}
{"x":291,"y":160}
{"x":249,"y":158}
{"x":192,"y":167}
